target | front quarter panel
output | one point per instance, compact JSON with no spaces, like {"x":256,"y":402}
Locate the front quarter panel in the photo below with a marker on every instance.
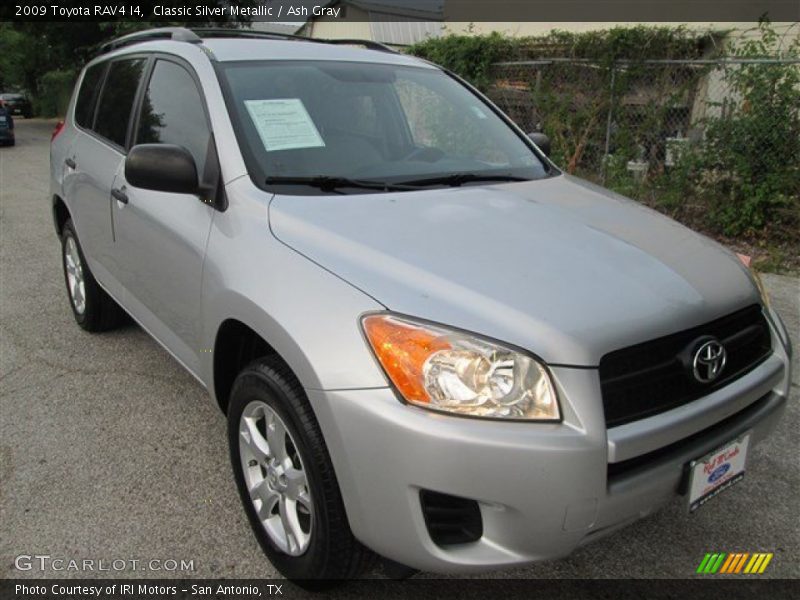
{"x":308,"y":315}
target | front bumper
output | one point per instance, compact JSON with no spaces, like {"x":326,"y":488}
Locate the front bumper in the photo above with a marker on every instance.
{"x":542,"y":489}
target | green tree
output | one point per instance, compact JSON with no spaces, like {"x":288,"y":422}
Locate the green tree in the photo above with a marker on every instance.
{"x":32,"y":50}
{"x":751,"y":152}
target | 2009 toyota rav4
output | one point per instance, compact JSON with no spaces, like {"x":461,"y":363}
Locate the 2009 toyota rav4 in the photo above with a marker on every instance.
{"x":428,"y":341}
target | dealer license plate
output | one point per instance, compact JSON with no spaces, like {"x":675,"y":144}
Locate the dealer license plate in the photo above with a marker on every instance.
{"x":717,"y":471}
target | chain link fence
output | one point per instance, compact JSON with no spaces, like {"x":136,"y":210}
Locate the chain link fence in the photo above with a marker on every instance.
{"x":646,"y":112}
{"x":685,"y":135}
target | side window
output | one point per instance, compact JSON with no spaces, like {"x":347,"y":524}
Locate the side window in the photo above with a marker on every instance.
{"x":84,"y":105}
{"x":116,"y":99}
{"x":172,"y":112}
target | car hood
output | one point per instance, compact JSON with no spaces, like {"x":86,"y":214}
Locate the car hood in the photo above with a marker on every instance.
{"x":561,"y":267}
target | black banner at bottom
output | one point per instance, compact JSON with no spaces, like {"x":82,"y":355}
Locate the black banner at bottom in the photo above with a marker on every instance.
{"x":709,"y":587}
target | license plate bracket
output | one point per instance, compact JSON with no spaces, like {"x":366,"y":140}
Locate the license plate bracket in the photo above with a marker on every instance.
{"x":717,"y":471}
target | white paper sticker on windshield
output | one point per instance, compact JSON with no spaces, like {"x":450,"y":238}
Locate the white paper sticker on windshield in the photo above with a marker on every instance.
{"x":284,"y":124}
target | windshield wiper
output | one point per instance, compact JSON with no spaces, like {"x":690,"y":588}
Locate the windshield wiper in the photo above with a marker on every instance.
{"x":457,"y":179}
{"x":332,"y":184}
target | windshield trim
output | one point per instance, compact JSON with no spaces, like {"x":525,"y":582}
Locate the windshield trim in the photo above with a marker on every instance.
{"x":253,"y":166}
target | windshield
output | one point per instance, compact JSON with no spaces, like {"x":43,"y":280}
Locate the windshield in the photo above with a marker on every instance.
{"x":299,"y":122}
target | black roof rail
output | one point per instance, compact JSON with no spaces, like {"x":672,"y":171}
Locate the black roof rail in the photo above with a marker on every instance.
{"x":218,"y":32}
{"x":210,"y":32}
{"x":179,"y":34}
{"x":369,"y":44}
{"x":196,"y":35}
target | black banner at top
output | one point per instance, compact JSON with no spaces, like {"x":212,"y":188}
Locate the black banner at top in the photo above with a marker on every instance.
{"x":298,"y":11}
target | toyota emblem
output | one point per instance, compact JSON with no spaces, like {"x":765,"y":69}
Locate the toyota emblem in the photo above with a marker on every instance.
{"x":709,"y":361}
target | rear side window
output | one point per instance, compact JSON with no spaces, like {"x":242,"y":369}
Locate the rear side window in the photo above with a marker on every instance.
{"x":172,"y":112}
{"x":116,"y":99}
{"x":84,"y":106}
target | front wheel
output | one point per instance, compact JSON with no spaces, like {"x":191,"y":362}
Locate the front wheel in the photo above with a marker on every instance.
{"x":286,"y":480}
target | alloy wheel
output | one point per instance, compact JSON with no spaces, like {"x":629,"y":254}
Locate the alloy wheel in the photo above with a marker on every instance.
{"x":76,"y":284}
{"x":275,"y":478}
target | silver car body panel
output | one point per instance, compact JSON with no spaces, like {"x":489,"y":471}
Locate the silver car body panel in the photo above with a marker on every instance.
{"x":298,"y":307}
{"x":560,"y":267}
{"x":542,"y":491}
{"x":455,"y":256}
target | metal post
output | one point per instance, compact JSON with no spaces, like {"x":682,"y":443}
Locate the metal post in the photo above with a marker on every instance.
{"x":608,"y":120}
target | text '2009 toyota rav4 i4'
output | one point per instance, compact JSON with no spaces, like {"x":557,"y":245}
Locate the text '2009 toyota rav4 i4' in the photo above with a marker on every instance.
{"x":429,"y":342}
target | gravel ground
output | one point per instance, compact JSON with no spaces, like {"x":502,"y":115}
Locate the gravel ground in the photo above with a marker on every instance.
{"x":109,"y":450}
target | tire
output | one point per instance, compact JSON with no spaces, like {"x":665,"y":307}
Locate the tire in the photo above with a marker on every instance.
{"x":324,"y":549}
{"x":94,"y":310}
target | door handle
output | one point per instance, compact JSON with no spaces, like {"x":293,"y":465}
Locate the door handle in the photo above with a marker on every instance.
{"x":119,"y":195}
{"x":71,"y":163}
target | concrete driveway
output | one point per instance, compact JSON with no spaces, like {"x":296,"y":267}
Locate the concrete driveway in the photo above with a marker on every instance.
{"x":109,"y":450}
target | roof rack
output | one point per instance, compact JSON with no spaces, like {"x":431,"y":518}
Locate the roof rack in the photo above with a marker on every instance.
{"x":212,"y":32}
{"x":179,"y":34}
{"x":223,"y":32}
{"x":368,"y":44}
{"x":196,"y":36}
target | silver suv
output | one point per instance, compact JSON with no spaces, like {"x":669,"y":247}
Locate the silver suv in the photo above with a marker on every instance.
{"x":430,"y":343}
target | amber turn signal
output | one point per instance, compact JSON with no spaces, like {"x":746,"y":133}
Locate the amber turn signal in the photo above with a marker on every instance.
{"x":402,"y":350}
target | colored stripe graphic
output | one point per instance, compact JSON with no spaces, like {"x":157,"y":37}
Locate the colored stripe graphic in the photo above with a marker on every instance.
{"x":764,"y":564}
{"x":740,"y":564}
{"x":758,"y":563}
{"x":711,"y":563}
{"x":734,"y":563}
{"x":731,"y":560}
{"x":703,"y":563}
{"x":753,"y":563}
{"x":718,"y":564}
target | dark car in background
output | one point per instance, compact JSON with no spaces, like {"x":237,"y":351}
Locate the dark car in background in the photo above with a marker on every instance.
{"x":6,"y":126}
{"x":17,"y":104}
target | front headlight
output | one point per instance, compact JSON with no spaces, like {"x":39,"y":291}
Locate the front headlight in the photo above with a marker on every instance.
{"x":455,"y":372}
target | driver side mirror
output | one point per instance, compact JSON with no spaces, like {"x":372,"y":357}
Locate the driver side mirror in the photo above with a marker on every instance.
{"x":541,"y":141}
{"x":163,"y":168}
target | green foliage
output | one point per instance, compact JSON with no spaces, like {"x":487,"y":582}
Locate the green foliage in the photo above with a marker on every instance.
{"x":24,"y":59}
{"x":570,"y":100}
{"x":473,"y":56}
{"x":33,"y":49}
{"x":469,"y":56}
{"x":618,"y":43}
{"x":749,"y":165}
{"x":740,"y":176}
{"x":55,"y":89}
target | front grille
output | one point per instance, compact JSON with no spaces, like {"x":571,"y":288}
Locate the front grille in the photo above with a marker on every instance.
{"x":450,"y":519}
{"x":653,"y":377}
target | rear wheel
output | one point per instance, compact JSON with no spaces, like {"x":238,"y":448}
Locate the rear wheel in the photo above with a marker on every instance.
{"x":94,"y":310}
{"x":286,"y":480}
